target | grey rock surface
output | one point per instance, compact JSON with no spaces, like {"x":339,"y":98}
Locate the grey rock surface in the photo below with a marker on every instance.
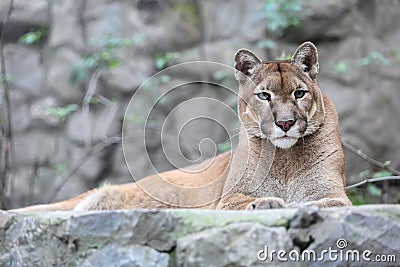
{"x":135,"y":68}
{"x":32,"y":12}
{"x":199,"y":237}
{"x":64,"y":60}
{"x":26,"y":70}
{"x":134,"y":255}
{"x":66,"y":29}
{"x":232,"y":245}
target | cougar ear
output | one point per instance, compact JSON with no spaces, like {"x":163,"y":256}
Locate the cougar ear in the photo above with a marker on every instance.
{"x":306,"y":57}
{"x":245,"y":62}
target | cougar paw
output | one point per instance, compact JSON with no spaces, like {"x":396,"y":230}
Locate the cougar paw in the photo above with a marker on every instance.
{"x":266,"y":203}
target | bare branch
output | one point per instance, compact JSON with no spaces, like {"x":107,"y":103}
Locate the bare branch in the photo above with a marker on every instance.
{"x":112,"y":112}
{"x":373,"y":180}
{"x":362,"y":155}
{"x":7,"y":152}
{"x":85,"y":108}
{"x":67,"y":175}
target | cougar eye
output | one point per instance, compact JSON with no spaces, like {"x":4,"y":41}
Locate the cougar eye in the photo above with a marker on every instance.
{"x":299,"y":93}
{"x":264,"y":96}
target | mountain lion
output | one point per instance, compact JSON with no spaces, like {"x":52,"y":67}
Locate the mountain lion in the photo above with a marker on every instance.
{"x":289,"y":151}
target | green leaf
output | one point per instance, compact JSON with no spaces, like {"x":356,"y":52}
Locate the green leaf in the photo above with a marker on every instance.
{"x":387,"y":163}
{"x":32,"y":37}
{"x":138,"y":38}
{"x":136,"y":118}
{"x":220,"y":75}
{"x":357,"y":198}
{"x":5,"y":78}
{"x":3,"y":121}
{"x":113,"y":63}
{"x":223,"y":147}
{"x":162,"y":60}
{"x":393,"y":53}
{"x":62,"y":112}
{"x":91,"y":61}
{"x":165,"y":78}
{"x":341,"y":66}
{"x":79,"y":74}
{"x":60,"y":167}
{"x":373,"y":190}
{"x":105,"y":55}
{"x":284,"y":55}
{"x":374,"y":57}
{"x":282,"y":14}
{"x":267,"y":43}
{"x":94,"y":100}
{"x":103,"y":184}
{"x":381,"y":174}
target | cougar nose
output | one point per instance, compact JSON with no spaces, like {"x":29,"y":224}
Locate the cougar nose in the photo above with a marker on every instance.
{"x":285,"y":125}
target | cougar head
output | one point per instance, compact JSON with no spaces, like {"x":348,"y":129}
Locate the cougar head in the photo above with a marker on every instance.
{"x":280,"y":100}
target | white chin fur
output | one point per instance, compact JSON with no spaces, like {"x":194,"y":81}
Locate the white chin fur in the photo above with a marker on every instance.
{"x":284,"y":143}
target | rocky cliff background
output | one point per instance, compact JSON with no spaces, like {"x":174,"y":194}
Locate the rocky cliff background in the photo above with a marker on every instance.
{"x":74,"y":65}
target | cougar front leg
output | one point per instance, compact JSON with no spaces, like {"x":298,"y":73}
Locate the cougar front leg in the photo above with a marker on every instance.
{"x":324,"y":203}
{"x":266,"y":203}
{"x":238,"y":201}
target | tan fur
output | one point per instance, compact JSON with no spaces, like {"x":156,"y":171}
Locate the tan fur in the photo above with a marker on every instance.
{"x":257,"y":174}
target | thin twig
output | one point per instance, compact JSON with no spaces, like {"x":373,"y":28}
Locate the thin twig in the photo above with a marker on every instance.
{"x":67,"y":175}
{"x":362,"y":155}
{"x":9,"y":147}
{"x":112,"y":112}
{"x":373,"y":180}
{"x":86,"y":106}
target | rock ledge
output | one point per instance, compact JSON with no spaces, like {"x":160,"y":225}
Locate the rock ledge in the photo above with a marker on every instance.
{"x":197,"y":237}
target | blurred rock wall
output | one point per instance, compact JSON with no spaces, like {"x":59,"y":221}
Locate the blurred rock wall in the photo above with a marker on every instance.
{"x":352,"y":36}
